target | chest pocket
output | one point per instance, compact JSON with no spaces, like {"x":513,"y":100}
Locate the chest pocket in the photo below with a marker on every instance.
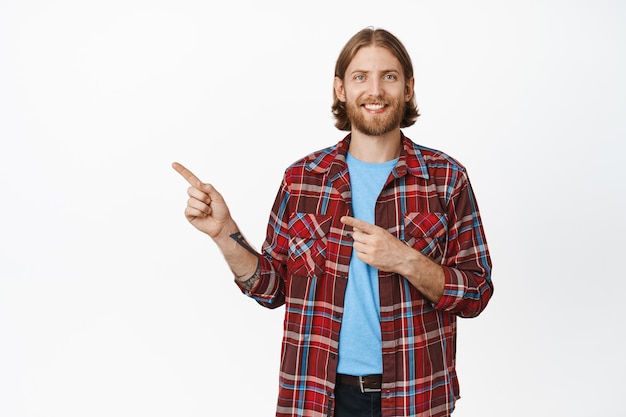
{"x":427,"y":232}
{"x":308,"y":239}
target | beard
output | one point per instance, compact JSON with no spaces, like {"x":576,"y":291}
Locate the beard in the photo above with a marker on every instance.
{"x":376,"y":124}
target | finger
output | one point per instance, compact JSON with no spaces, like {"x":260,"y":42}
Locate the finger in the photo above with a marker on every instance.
{"x":358,"y":224}
{"x":360,"y":236}
{"x":199,"y":205}
{"x":359,"y":247}
{"x":211,"y":193}
{"x":188,"y":175}
{"x":199,"y":195}
{"x":192,"y":213}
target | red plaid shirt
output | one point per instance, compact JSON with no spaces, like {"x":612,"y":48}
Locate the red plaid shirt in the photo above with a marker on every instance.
{"x":428,"y":203}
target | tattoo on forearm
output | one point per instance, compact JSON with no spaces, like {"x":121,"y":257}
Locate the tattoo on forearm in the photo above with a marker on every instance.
{"x":238,"y":237}
{"x":249,"y":283}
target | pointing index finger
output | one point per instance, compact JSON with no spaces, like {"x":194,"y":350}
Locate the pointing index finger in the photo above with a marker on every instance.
{"x":356,"y":223}
{"x":188,"y":175}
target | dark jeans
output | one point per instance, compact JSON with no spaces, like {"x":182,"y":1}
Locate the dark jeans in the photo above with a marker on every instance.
{"x":351,"y":402}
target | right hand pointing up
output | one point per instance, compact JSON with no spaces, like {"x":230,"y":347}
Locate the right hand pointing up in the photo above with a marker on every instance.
{"x":206,"y":209}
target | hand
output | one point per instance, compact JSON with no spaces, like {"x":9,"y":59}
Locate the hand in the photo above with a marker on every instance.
{"x":376,"y":246}
{"x":206,"y":209}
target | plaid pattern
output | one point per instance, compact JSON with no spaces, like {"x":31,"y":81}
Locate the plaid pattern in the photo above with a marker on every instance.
{"x":428,"y":203}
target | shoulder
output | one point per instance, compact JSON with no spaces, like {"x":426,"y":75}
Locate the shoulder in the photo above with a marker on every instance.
{"x":437,"y":167}
{"x":317,"y":162}
{"x":315,"y":158}
{"x":434,"y":158}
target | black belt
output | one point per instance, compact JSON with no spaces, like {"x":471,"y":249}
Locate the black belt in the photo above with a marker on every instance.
{"x":367,"y":383}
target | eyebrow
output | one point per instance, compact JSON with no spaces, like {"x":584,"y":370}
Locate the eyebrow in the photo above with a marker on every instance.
{"x":383,"y":71}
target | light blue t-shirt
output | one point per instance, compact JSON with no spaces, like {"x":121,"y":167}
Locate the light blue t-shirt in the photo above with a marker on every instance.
{"x":360,"y":342}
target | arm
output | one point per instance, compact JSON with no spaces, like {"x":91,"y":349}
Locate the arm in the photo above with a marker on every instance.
{"x":461,"y":284}
{"x":467,"y":263}
{"x":207,"y":212}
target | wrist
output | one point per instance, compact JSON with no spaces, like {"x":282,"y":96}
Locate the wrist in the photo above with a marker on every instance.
{"x":223,"y":236}
{"x":239,"y":254}
{"x":409,"y":262}
{"x":425,"y":274}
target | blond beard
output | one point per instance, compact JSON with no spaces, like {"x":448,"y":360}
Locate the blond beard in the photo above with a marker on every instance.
{"x":378,"y":125}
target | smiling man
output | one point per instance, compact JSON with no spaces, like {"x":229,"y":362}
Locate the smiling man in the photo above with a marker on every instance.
{"x":375,"y":246}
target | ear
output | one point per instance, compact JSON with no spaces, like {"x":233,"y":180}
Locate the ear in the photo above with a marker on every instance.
{"x":409,"y":89}
{"x":340,"y":91}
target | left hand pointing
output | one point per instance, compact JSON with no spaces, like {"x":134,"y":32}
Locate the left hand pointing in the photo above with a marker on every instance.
{"x":376,"y":246}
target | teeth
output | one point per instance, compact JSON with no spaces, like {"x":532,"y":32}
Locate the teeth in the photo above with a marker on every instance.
{"x":374,"y":106}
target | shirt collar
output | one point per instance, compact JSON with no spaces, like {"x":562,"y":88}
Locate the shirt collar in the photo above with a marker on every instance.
{"x":333,"y":159}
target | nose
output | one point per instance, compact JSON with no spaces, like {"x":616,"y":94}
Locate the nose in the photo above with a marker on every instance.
{"x":375,"y":86}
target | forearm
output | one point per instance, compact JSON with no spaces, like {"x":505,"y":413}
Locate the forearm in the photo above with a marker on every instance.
{"x":241,"y":258}
{"x":423,"y":273}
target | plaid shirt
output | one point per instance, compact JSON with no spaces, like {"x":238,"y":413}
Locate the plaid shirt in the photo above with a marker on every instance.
{"x":428,"y":203}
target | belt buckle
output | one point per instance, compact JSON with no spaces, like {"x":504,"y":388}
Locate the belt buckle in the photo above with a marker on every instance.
{"x":364,"y":389}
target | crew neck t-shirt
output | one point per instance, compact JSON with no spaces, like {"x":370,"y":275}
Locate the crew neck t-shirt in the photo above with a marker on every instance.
{"x":360,"y":342}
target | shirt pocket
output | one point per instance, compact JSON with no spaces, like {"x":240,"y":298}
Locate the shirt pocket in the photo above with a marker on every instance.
{"x":427,"y":232}
{"x":308,"y":239}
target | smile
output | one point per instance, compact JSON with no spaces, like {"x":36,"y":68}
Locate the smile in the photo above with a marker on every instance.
{"x":374,"y":106}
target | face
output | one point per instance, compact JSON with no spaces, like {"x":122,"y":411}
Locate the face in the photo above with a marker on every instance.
{"x":374,"y":91}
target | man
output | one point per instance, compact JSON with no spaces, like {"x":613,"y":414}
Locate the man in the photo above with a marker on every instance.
{"x":374,"y":246}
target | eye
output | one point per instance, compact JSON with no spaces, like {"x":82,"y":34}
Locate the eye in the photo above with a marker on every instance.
{"x":359,"y":77}
{"x":390,"y":77}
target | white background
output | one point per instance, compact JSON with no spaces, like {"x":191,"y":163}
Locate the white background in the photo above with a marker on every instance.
{"x":111,"y":304}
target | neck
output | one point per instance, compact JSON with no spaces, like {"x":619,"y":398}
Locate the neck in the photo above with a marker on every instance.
{"x":375,"y":149}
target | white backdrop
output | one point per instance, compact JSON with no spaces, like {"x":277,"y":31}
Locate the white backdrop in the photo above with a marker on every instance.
{"x":111,"y":304}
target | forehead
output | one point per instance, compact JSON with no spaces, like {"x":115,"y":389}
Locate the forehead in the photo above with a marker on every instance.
{"x":374,"y":58}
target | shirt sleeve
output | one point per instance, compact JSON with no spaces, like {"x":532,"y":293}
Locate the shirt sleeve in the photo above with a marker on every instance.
{"x":467,"y":263}
{"x":269,"y":290}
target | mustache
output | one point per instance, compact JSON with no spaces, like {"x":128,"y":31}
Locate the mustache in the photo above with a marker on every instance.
{"x":372,"y":100}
